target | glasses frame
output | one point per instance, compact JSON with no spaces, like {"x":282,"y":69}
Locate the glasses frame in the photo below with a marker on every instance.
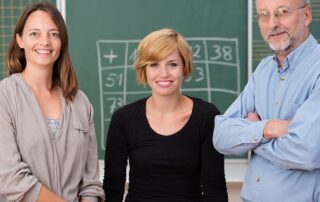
{"x":277,"y":15}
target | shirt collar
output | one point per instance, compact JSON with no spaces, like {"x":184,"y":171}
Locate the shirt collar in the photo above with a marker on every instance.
{"x":297,"y":55}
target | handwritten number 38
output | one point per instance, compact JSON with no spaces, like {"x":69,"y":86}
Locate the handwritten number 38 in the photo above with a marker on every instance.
{"x":224,"y":52}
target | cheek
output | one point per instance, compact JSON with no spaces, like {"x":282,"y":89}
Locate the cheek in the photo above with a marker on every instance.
{"x":264,"y":31}
{"x":24,"y":44}
{"x":148,"y":77}
{"x":179,"y":73}
{"x":58,"y":45}
{"x":149,"y":73}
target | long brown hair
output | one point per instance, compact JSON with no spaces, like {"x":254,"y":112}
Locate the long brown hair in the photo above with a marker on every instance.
{"x":63,"y":75}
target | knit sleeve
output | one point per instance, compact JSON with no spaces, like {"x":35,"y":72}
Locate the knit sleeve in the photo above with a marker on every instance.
{"x":116,"y":155}
{"x":212,"y":168}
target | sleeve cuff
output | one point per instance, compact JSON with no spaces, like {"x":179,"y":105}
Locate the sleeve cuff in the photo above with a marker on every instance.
{"x":255,"y":130}
{"x":90,"y":198}
{"x":33,"y":193}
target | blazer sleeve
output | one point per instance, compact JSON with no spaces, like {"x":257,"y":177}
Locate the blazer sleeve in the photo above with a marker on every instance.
{"x":90,"y":186}
{"x":16,"y":180}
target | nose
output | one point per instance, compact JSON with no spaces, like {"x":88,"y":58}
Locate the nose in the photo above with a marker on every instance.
{"x":163,"y":71}
{"x":45,"y":39}
{"x":273,"y":21}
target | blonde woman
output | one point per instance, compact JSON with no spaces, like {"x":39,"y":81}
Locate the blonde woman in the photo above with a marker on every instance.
{"x":167,"y":137}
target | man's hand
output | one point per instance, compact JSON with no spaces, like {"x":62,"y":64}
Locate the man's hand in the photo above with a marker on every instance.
{"x":275,"y":128}
{"x":253,"y":116}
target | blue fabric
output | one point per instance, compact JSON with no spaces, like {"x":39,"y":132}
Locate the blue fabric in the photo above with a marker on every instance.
{"x":53,"y":125}
{"x":285,"y":168}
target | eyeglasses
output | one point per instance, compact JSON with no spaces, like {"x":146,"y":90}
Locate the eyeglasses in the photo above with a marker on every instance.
{"x":280,"y":13}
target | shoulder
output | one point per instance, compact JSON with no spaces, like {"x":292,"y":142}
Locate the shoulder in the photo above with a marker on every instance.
{"x":204,"y":107}
{"x":8,"y":82}
{"x":81,"y":98}
{"x":81,"y":105}
{"x":9,"y":87}
{"x":5,"y":85}
{"x":267,"y":61}
{"x":131,"y":110}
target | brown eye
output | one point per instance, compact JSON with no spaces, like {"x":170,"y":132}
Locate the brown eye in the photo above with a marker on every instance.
{"x":263,"y":16}
{"x":173,"y":65}
{"x":153,"y":65}
{"x":34,"y":34}
{"x":54,"y":34}
{"x":282,"y":12}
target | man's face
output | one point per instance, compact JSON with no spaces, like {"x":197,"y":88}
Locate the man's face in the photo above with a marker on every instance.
{"x":283,"y":23}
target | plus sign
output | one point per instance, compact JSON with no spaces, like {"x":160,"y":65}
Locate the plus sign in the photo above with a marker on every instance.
{"x":111,"y":56}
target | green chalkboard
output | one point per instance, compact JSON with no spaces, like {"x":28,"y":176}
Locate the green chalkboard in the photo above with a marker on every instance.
{"x":260,"y":48}
{"x":104,"y":35}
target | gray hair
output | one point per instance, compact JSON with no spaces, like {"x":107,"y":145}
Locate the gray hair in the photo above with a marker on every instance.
{"x":306,"y":2}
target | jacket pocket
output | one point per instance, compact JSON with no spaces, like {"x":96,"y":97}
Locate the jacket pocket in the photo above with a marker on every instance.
{"x":82,"y":128}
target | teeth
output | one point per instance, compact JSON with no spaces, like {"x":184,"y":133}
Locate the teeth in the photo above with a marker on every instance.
{"x":164,"y":82}
{"x":43,"y":51}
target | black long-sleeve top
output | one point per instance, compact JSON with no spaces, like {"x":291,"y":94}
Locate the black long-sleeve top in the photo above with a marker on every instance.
{"x":182,"y":167}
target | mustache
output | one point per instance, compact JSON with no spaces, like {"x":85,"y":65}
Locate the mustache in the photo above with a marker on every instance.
{"x":277,"y":30}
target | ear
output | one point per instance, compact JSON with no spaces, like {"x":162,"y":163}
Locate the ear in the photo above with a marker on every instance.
{"x":308,"y":15}
{"x":19,"y":41}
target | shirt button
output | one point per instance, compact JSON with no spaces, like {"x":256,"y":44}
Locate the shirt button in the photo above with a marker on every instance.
{"x":282,"y":78}
{"x":255,"y":139}
{"x":276,"y":103}
{"x":258,"y":179}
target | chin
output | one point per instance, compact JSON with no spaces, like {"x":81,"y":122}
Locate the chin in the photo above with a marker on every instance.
{"x":279,"y":48}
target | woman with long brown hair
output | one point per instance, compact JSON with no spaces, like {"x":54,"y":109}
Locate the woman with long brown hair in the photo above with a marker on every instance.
{"x":48,"y":148}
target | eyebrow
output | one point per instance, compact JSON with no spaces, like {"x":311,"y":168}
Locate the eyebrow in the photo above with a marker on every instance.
{"x":36,"y":29}
{"x":172,"y":60}
{"x":275,"y":8}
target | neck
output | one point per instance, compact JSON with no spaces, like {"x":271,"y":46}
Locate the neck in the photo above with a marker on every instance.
{"x":39,"y":79}
{"x":165,"y":103}
{"x":281,"y":58}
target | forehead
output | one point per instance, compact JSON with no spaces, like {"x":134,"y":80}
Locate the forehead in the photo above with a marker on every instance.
{"x":274,"y":4}
{"x":39,"y":19}
{"x":174,"y":55}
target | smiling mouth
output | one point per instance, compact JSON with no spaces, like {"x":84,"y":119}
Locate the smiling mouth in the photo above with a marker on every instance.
{"x":164,"y":83}
{"x":43,"y":51}
{"x":276,"y":33}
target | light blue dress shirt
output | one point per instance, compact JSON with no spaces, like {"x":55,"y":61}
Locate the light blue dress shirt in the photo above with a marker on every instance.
{"x":285,"y":169}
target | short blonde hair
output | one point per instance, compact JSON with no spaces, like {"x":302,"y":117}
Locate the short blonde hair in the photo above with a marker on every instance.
{"x":158,"y":45}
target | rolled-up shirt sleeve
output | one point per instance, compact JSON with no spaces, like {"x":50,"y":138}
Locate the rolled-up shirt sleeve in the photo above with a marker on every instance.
{"x":233,"y":133}
{"x":299,"y":149}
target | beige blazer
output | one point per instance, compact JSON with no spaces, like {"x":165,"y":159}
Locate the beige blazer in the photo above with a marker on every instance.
{"x":31,"y":157}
